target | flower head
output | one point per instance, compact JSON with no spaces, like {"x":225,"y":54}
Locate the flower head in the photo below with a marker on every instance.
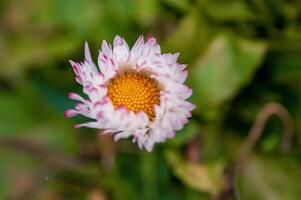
{"x":136,"y":92}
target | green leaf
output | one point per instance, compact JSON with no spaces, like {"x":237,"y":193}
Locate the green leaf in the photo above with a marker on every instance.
{"x":180,"y":5}
{"x":64,"y":13}
{"x":266,"y":178}
{"x":147,"y":11}
{"x":27,"y":52}
{"x":15,"y":117}
{"x":228,"y":10}
{"x":286,"y":66}
{"x":205,"y":177}
{"x":190,"y":37}
{"x":228,"y":65}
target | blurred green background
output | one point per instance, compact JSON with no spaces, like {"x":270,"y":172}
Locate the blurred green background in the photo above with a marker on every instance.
{"x":242,"y":55}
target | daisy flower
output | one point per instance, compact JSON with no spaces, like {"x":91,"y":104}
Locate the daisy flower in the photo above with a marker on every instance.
{"x":137,"y":92}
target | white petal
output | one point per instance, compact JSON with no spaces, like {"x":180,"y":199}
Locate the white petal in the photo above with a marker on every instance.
{"x":121,"y":50}
{"x":123,"y":134}
{"x":106,"y":49}
{"x":88,"y":56}
{"x":138,"y":47}
{"x":89,"y":125}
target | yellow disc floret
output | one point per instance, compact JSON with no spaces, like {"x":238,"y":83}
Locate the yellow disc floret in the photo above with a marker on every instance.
{"x":136,"y":92}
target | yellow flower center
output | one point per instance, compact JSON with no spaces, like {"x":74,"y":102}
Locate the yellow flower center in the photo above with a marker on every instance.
{"x":135,"y":92}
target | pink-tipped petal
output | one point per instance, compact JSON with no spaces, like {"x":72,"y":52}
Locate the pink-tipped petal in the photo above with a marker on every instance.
{"x":75,"y":96}
{"x":70,"y":113}
{"x":88,"y":56}
{"x":121,"y":49}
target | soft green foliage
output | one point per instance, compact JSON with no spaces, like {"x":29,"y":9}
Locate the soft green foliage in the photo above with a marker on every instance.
{"x":228,"y":65}
{"x":203,"y":177}
{"x":241,"y":55}
{"x":270,"y":179}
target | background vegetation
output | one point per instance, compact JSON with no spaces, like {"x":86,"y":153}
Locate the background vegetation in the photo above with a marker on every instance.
{"x":243,"y":55}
